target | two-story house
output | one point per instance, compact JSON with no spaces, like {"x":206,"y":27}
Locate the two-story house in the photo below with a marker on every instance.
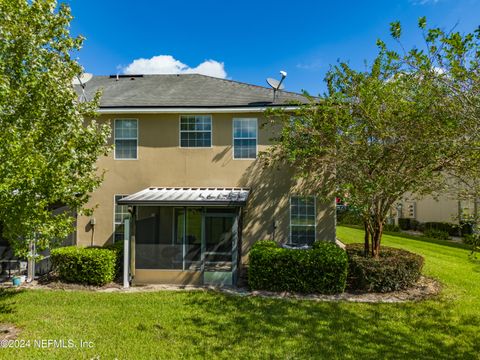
{"x":185,"y":165}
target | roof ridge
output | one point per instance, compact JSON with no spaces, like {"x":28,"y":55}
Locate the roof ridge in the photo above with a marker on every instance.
{"x":211,"y":77}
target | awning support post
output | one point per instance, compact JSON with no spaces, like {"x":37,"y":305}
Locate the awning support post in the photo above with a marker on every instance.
{"x":126,"y":253}
{"x":31,"y":259}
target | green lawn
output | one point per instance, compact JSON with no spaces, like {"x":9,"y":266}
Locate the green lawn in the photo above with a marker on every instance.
{"x":171,"y":325}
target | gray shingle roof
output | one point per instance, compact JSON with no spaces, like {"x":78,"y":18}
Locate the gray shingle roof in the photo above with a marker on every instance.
{"x":183,"y":90}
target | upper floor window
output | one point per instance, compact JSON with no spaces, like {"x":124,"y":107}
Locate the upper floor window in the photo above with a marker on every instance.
{"x":245,"y":138}
{"x":195,"y":131}
{"x":302,"y":220}
{"x":121,"y":213}
{"x":126,"y":138}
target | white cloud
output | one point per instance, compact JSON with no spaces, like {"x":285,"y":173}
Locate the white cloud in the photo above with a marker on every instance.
{"x":424,"y":2}
{"x":167,"y":64}
{"x":309,"y":66}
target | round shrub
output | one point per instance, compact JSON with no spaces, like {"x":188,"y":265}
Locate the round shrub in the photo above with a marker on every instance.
{"x":91,"y":266}
{"x":395,"y":269}
{"x":322,"y":269}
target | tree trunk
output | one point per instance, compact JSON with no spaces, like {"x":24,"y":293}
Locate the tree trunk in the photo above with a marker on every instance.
{"x":367,"y":238}
{"x":372,"y":251}
{"x":377,"y":238}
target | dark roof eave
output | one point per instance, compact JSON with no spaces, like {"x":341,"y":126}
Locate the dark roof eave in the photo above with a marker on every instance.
{"x":192,"y":106}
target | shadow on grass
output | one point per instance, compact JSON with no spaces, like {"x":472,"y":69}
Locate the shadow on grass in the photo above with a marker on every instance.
{"x":447,"y":243}
{"x":473,"y":259}
{"x":6,"y":303}
{"x":302,"y":329}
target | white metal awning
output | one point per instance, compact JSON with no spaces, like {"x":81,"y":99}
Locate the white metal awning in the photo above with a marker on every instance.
{"x":191,"y":196}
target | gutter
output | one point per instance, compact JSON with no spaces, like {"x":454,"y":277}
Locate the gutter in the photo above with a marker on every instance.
{"x":189,"y":110}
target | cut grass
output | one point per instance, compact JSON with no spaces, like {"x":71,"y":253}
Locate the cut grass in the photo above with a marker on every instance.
{"x":171,"y":325}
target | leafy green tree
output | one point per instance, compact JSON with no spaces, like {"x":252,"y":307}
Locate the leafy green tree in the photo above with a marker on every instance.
{"x":394,"y":128}
{"x":48,"y":143}
{"x":465,"y":185}
{"x":457,"y":60}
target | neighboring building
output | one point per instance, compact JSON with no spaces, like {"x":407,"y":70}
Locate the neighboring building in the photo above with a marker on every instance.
{"x":442,"y":208}
{"x":185,"y":164}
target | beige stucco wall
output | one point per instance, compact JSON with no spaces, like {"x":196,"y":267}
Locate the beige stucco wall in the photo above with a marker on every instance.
{"x":161,"y":162}
{"x":441,"y":208}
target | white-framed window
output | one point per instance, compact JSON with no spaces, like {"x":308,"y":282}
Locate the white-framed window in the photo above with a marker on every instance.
{"x":302,"y":220}
{"x":126,"y":139}
{"x":195,"y":131}
{"x":120,"y":213}
{"x":245,"y":132}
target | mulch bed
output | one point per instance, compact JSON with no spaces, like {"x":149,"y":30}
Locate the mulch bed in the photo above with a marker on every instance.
{"x":51,"y":281}
{"x":425,"y":288}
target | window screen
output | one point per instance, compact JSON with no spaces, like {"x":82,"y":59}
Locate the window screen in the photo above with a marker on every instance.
{"x":244,"y":138}
{"x":302,"y":220}
{"x":195,"y":131}
{"x":126,"y":138}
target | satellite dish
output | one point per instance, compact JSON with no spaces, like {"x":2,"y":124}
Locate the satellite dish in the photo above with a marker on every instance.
{"x":275,"y":84}
{"x":82,"y":79}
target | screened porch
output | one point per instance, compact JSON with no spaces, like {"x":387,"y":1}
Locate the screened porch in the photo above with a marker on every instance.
{"x":197,"y":241}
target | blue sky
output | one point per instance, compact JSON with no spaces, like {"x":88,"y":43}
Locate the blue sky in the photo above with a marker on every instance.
{"x":251,"y":40}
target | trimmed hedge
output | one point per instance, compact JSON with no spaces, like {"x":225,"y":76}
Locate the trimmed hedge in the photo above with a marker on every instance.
{"x":410,"y":224}
{"x":349,"y":217}
{"x":395,"y":269}
{"x":92,"y":266}
{"x":322,"y":269}
{"x":451,"y":229}
{"x":436,"y":234}
{"x":117,"y":247}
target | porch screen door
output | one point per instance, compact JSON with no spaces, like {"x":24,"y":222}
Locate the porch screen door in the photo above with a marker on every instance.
{"x":219,"y":248}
